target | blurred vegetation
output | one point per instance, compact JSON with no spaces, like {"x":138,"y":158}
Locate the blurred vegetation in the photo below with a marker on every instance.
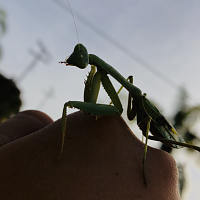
{"x":184,"y":119}
{"x":2,"y":26}
{"x":10,"y":101}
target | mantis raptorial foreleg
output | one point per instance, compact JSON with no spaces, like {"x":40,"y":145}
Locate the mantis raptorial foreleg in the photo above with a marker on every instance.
{"x":90,"y":106}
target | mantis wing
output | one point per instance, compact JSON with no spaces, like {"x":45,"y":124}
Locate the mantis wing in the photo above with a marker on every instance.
{"x":160,"y":127}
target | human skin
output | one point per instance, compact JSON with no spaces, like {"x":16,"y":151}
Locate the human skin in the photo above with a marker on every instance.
{"x":102,"y":160}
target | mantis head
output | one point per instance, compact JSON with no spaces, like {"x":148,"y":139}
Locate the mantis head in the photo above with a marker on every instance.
{"x":78,"y":58}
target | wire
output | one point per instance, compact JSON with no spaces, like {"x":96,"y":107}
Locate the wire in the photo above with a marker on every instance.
{"x":130,"y":54}
{"x":73,"y":20}
{"x":120,"y":46}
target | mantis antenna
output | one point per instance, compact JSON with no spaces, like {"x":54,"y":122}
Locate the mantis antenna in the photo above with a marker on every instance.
{"x":73,"y":20}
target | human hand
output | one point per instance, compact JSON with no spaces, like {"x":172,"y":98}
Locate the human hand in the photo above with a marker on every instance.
{"x":102,"y":160}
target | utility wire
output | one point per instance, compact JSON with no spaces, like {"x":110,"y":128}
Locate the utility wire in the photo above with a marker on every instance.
{"x":120,"y":46}
{"x":47,"y":95}
{"x":129,"y":53}
{"x":37,"y":57}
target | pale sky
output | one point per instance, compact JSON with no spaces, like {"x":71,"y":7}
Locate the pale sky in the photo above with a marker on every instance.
{"x":164,"y":35}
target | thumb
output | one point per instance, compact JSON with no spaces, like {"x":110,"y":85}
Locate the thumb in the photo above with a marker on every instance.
{"x":22,"y":124}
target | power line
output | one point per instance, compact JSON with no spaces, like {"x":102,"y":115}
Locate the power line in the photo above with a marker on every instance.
{"x":47,"y":95}
{"x":121,"y":47}
{"x":37,"y":57}
{"x":129,"y":53}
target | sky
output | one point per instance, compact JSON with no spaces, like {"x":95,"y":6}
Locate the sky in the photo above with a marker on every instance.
{"x":156,"y":41}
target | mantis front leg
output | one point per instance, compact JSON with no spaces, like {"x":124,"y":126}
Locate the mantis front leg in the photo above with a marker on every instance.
{"x":90,"y":106}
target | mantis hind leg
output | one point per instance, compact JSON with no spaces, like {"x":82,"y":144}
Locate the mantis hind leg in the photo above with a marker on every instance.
{"x":145,"y":148}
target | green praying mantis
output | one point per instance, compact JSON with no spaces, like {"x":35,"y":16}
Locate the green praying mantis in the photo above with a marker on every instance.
{"x":149,"y":117}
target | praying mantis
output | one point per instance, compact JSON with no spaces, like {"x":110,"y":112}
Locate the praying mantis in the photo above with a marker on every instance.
{"x":148,"y":116}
